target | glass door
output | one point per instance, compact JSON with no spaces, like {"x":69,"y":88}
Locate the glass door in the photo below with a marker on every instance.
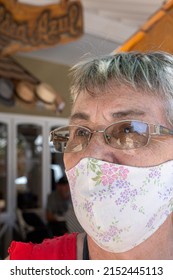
{"x":5,"y":206}
{"x":3,"y":167}
{"x":26,"y":160}
{"x":29,"y":169}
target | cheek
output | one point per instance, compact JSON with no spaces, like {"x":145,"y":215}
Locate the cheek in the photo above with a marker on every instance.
{"x":157,"y":152}
{"x":162,"y":148}
{"x":70,"y":160}
{"x":131,"y":158}
{"x":154,"y":154}
{"x":137,"y":158}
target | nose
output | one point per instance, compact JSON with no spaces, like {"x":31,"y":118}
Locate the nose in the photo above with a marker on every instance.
{"x":99,"y":149}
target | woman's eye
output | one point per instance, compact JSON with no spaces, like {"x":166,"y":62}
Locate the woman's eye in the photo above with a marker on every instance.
{"x":81,"y":132}
{"x":128,"y":129}
{"x":124,"y":129}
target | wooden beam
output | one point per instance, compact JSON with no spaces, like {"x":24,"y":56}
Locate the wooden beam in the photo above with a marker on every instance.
{"x":155,"y":34}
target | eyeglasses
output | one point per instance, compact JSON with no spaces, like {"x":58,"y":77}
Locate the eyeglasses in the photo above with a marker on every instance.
{"x":123,"y":135}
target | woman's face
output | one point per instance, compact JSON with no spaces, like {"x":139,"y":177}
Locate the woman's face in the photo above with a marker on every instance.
{"x":120,"y":103}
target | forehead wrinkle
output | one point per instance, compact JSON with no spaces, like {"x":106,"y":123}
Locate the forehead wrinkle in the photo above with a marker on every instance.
{"x":128,"y":113}
{"x":120,"y":114}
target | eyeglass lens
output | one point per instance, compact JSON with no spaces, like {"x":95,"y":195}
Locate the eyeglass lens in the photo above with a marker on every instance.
{"x":127,"y":135}
{"x":71,"y":139}
{"x":120,"y":135}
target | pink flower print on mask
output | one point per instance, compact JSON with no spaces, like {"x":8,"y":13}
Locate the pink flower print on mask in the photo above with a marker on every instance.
{"x":109,"y":174}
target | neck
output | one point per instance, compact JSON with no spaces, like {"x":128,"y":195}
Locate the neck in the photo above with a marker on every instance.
{"x":157,"y":247}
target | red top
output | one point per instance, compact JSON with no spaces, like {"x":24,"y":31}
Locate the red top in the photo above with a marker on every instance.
{"x":57,"y":248}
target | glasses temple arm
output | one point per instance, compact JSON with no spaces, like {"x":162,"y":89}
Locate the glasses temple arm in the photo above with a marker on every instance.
{"x":161,"y":130}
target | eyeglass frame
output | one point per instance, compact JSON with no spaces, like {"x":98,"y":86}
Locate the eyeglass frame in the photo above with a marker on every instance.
{"x":153,"y":130}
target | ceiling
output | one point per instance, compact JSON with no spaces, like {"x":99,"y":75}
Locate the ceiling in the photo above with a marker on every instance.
{"x":107,"y":25}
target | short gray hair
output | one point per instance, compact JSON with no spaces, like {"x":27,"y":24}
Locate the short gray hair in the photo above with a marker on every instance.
{"x":151,"y":72}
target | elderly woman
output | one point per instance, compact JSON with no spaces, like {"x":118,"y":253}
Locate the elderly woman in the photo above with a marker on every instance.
{"x":118,"y":155}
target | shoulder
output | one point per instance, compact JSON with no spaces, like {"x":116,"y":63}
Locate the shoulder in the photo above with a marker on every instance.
{"x":57,"y":248}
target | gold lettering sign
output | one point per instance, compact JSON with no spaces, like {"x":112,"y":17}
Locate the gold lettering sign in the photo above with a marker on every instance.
{"x":27,"y":27}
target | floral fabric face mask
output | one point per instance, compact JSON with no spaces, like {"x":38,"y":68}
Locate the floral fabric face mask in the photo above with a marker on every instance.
{"x":120,"y":206}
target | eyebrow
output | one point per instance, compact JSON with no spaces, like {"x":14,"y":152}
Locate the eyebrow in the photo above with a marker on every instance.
{"x":128,"y":113}
{"x":80,"y":115}
{"x":119,"y":114}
